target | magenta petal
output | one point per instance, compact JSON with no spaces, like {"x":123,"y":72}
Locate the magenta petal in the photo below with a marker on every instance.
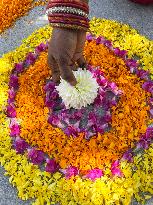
{"x":128,"y":156}
{"x":19,"y":67}
{"x":30,"y":59}
{"x":11,"y":95}
{"x":11,"y":112}
{"x":20,"y":145}
{"x":40,"y":48}
{"x":116,"y":172}
{"x":95,"y":174}
{"x":115,"y":163}
{"x":13,"y":83}
{"x":54,"y":120}
{"x":100,"y":40}
{"x":71,"y":171}
{"x":14,"y":130}
{"x":36,"y":156}
{"x":51,"y":166}
{"x":89,"y":37}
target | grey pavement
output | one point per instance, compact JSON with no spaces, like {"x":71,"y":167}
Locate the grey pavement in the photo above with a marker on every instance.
{"x":139,"y":17}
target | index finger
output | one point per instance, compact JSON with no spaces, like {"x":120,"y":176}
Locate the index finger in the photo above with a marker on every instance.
{"x":66,"y":71}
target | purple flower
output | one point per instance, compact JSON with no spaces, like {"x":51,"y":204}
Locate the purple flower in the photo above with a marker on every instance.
{"x":53,"y":95}
{"x":102,"y":81}
{"x":76,"y":115}
{"x":89,"y":37}
{"x":148,"y":86}
{"x":128,"y":156}
{"x":10,"y":110}
{"x":151,"y":112}
{"x":49,"y":103}
{"x":50,"y":86}
{"x":149,"y":133}
{"x":71,"y":131}
{"x":131,"y":63}
{"x":54,"y":120}
{"x":11,"y":95}
{"x":100,"y":40}
{"x":115,"y":164}
{"x":143,"y":144}
{"x":107,"y":118}
{"x":92,"y":117}
{"x":116,"y":172}
{"x":71,"y":171}
{"x":40,"y":48}
{"x":36,"y":156}
{"x":120,"y":53}
{"x":30,"y":59}
{"x":20,"y":145}
{"x":13,"y":83}
{"x":115,"y":169}
{"x":51,"y":166}
{"x":95,"y":174}
{"x":108,"y":43}
{"x":14,"y":130}
{"x":19,"y":68}
{"x":143,"y":74}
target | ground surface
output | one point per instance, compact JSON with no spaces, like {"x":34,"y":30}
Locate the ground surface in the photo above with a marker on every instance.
{"x":139,"y":17}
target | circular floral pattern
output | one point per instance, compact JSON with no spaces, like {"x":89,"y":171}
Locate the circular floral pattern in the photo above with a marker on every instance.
{"x":42,"y":185}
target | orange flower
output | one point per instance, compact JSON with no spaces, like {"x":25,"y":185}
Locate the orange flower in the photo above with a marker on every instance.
{"x":10,"y":10}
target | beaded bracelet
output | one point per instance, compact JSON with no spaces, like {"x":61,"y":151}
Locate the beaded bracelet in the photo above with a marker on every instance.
{"x":68,"y":14}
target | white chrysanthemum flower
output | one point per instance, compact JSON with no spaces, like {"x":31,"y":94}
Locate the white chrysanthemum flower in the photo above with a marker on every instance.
{"x":81,"y":95}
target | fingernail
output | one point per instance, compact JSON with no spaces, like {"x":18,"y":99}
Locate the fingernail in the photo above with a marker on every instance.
{"x":73,"y":83}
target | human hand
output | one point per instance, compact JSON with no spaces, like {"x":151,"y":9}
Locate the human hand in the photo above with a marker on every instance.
{"x":65,"y":50}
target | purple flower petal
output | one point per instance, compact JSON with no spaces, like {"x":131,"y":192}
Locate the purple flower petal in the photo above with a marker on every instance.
{"x":13,"y":82}
{"x":115,"y":164}
{"x":30,"y":59}
{"x":71,"y":171}
{"x":108,"y":44}
{"x":131,"y":63}
{"x":95,"y":174}
{"x":128,"y":156}
{"x":54,"y":120}
{"x":11,"y":95}
{"x":51,"y":166}
{"x":14,"y":130}
{"x":100,"y":40}
{"x":50,"y":86}
{"x":116,"y":172}
{"x":120,"y":53}
{"x":40,"y":48}
{"x":36,"y":156}
{"x":143,"y":74}
{"x":19,"y":67}
{"x":20,"y":145}
{"x":89,"y":37}
{"x":10,"y":111}
{"x":71,"y":131}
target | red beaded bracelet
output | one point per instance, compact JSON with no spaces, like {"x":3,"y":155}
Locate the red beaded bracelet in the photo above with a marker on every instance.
{"x":73,"y":16}
{"x":70,"y":1}
{"x":68,"y":20}
{"x":72,"y":23}
{"x":51,"y":5}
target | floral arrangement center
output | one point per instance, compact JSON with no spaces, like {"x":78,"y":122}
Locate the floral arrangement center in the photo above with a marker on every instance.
{"x":83,"y":94}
